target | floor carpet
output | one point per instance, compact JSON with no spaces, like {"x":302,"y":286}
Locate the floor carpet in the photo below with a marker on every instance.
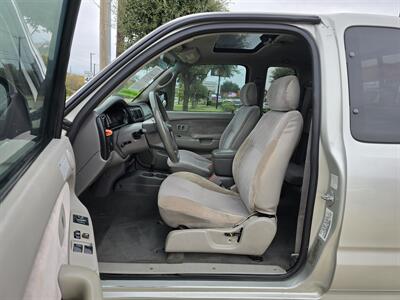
{"x":129,"y":229}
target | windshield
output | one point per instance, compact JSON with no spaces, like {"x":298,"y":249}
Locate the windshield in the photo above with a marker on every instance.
{"x":131,"y":88}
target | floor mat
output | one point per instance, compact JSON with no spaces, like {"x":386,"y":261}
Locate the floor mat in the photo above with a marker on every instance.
{"x":133,"y":241}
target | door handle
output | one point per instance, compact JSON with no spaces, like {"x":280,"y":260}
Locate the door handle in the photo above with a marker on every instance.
{"x":79,"y":283}
{"x":182,"y":127}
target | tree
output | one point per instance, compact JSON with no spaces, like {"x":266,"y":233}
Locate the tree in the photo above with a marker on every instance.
{"x":229,"y":87}
{"x":138,"y":18}
{"x":222,"y":71}
{"x":280,"y":72}
{"x":191,"y":76}
{"x":198,"y":91}
{"x":120,"y":26}
{"x":73,"y":82}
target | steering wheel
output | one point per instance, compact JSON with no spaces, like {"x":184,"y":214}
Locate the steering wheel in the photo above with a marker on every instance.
{"x":164,"y":128}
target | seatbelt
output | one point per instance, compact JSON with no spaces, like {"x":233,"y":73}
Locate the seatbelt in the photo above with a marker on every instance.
{"x":303,"y":200}
{"x":305,"y":110}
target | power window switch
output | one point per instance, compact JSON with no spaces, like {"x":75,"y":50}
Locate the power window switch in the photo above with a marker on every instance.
{"x":88,"y":249}
{"x":85,"y":235}
{"x":82,"y":220}
{"x":77,"y":248}
{"x":77,"y":234}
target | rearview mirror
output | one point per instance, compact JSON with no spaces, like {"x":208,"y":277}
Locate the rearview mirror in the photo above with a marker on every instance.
{"x":163,"y":97}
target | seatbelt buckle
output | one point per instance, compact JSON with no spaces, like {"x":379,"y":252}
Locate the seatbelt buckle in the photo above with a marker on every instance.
{"x":215,"y":179}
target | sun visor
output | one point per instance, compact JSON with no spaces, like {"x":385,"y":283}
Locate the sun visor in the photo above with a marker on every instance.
{"x":189,"y":55}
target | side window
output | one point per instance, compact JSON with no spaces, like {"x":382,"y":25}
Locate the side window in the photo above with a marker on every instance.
{"x":373,"y":67}
{"x":272,"y":74}
{"x":209,"y":88}
{"x":26,"y":48}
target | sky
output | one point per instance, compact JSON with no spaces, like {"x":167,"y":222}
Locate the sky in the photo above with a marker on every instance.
{"x":86,"y":39}
{"x":387,"y":7}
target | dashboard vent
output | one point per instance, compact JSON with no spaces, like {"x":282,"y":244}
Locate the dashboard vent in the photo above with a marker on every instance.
{"x":105,"y":121}
{"x":106,"y":143}
{"x":137,"y":114}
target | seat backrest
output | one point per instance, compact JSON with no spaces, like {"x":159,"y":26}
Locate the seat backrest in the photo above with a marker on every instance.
{"x":260,"y":164}
{"x":243,"y":121}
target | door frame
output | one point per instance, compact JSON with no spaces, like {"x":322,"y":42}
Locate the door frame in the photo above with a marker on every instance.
{"x":168,"y":35}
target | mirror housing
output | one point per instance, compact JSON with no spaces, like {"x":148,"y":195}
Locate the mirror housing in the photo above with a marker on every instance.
{"x":163,"y":97}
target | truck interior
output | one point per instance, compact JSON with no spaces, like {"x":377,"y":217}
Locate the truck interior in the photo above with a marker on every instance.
{"x":196,"y":162}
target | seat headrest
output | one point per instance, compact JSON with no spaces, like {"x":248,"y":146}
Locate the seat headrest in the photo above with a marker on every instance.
{"x":248,"y":94}
{"x":284,"y":93}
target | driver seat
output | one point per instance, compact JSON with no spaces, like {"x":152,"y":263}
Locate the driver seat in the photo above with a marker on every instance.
{"x":238,"y":129}
{"x":241,"y":220}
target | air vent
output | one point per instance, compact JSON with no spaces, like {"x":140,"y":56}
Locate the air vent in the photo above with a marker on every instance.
{"x":106,"y":143}
{"x":105,"y":121}
{"x":137,"y":114}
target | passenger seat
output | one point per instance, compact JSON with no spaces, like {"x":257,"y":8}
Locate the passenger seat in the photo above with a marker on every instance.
{"x":242,"y":123}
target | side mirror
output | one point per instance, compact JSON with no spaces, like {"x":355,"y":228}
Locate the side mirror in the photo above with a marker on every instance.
{"x":4,"y":95}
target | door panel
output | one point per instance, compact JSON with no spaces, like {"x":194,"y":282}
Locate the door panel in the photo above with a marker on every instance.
{"x":34,"y":225}
{"x":53,"y":252}
{"x":199,"y":131}
{"x":37,"y":168}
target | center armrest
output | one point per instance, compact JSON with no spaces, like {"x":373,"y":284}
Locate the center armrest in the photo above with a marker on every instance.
{"x":191,"y":162}
{"x":222,"y":161}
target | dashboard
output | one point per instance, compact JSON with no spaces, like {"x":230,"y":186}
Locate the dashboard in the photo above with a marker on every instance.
{"x":117,"y":120}
{"x":114,"y":132}
{"x":120,"y":113}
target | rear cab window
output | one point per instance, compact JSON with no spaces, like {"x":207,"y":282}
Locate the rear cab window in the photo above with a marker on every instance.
{"x":373,"y":67}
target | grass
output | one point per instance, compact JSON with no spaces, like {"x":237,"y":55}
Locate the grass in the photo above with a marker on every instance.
{"x":223,"y":107}
{"x":199,"y":108}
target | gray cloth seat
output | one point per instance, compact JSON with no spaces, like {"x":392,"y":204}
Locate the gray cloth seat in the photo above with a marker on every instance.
{"x":193,"y":201}
{"x":259,"y":167}
{"x":243,"y":121}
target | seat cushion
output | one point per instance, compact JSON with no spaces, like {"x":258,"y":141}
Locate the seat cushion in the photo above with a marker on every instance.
{"x":187,"y":199}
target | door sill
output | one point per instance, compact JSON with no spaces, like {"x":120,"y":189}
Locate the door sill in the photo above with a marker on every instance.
{"x":188,"y":268}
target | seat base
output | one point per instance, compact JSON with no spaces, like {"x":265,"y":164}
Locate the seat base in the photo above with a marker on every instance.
{"x":252,"y":237}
